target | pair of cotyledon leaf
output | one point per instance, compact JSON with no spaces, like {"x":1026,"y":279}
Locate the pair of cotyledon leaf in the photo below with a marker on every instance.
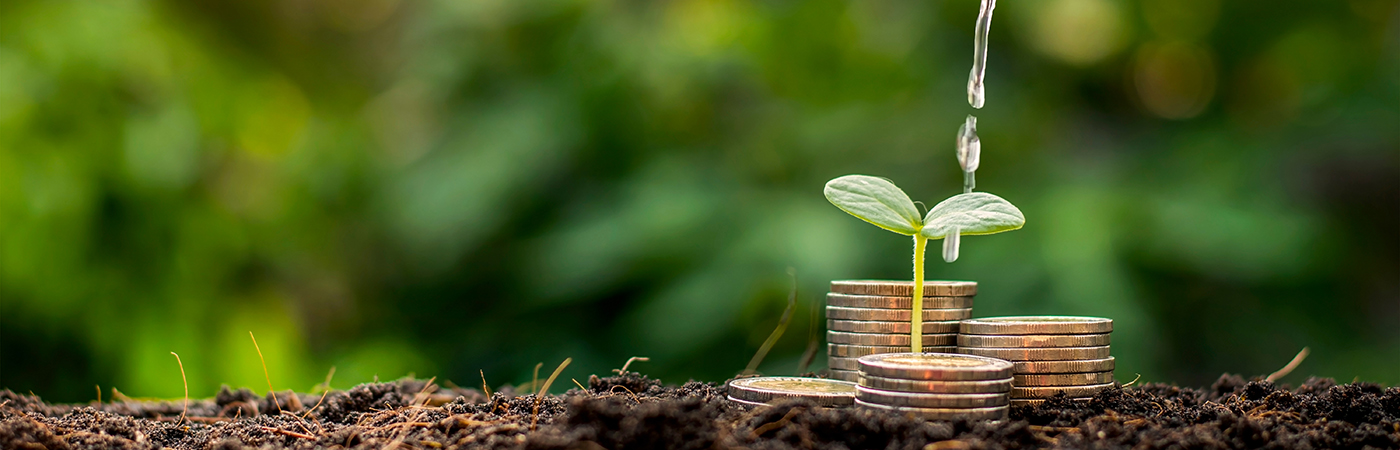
{"x":880,"y":202}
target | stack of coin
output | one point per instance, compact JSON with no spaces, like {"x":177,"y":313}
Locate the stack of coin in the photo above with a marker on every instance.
{"x":758,"y":391}
{"x":1051,"y":354}
{"x":870,"y":317}
{"x":935,"y":386}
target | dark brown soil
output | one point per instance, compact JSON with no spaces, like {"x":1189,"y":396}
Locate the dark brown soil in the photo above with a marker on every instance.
{"x":634,"y":412}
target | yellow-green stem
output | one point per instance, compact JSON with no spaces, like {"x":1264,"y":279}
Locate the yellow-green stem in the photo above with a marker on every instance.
{"x":916,"y":321}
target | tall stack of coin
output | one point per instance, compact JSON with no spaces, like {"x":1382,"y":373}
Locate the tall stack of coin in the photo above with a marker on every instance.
{"x":869,"y":317}
{"x":1051,"y":354}
{"x":758,"y":391}
{"x":935,"y":386}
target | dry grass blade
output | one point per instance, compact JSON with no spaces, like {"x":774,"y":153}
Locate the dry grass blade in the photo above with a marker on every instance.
{"x":1302,"y":354}
{"x":265,"y":375}
{"x":540,"y":395}
{"x":535,"y":380}
{"x":629,"y":364}
{"x":484,"y":387}
{"x":184,"y":380}
{"x":580,"y":385}
{"x":782,"y":326}
{"x":1135,"y":380}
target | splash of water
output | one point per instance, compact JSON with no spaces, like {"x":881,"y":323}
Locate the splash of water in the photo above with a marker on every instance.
{"x":976,"y":94}
{"x":969,"y":152}
{"x":950,"y":245}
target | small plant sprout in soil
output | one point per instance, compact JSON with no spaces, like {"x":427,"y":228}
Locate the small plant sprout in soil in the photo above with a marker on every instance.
{"x":880,"y":202}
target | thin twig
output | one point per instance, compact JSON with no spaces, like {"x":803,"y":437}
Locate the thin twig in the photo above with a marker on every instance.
{"x":629,"y":363}
{"x":1302,"y":354}
{"x":787,"y":418}
{"x":484,"y":387}
{"x":288,"y":433}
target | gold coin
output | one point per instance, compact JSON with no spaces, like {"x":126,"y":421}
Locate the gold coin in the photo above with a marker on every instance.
{"x":1018,"y":325}
{"x":934,"y":366}
{"x":820,"y":390}
{"x":840,"y":337}
{"x":1063,"y":379}
{"x":991,"y":413}
{"x":842,"y":363}
{"x":855,"y":351}
{"x":844,"y":313}
{"x":1039,"y":354}
{"x":939,"y":387}
{"x":929,"y":400}
{"x":892,"y":327}
{"x":886,"y":302}
{"x":844,"y":375}
{"x":895,"y":288}
{"x":1037,"y":401}
{"x":1080,"y":366}
{"x":1050,"y":391}
{"x":1033,"y":340}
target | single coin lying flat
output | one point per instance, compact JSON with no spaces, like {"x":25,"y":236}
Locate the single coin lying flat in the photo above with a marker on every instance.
{"x":892,"y":315}
{"x":988,"y":413}
{"x":1039,"y":354}
{"x":1063,"y":379}
{"x":1033,"y":340}
{"x":904,"y":288}
{"x":888,"y":302}
{"x":929,"y":399}
{"x":1079,"y":366}
{"x":849,"y":351}
{"x":1050,"y":391}
{"x":1014,"y":325}
{"x":934,"y":366}
{"x":842,"y":337}
{"x":892,"y":327}
{"x":937,"y":386}
{"x":823,"y":391}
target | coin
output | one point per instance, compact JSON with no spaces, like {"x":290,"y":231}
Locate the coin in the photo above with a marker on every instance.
{"x":886,"y":302}
{"x":854,"y":351}
{"x":1033,"y":340}
{"x":746,"y":403}
{"x":1039,"y":354}
{"x":991,"y":413}
{"x":1037,"y":401}
{"x":869,"y":326}
{"x":1084,"y":365}
{"x":819,"y":390}
{"x":844,"y":313}
{"x":939,"y":387}
{"x":844,"y":375}
{"x":934,"y":366}
{"x":898,"y":288}
{"x":841,"y":337}
{"x":1063,"y":379}
{"x":929,"y":400}
{"x":842,"y":363}
{"x":1050,"y":391}
{"x":1018,"y":325}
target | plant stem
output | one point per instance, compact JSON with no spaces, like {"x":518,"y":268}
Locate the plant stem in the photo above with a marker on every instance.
{"x":916,"y":322}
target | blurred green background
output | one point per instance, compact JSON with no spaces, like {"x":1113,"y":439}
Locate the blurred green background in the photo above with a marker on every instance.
{"x":439,"y":187}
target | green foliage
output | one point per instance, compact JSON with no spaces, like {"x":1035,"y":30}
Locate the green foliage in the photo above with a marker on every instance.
{"x":875,"y":200}
{"x":971,"y":214}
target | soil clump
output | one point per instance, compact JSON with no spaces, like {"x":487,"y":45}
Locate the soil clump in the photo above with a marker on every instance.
{"x":632,"y":411}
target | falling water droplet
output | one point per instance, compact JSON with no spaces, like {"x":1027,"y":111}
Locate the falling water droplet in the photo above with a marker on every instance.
{"x":950,"y":245}
{"x":969,"y":146}
{"x":976,"y":94}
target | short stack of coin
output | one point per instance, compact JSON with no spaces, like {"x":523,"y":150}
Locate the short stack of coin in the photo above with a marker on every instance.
{"x":758,"y":391}
{"x":1051,"y":354}
{"x":935,"y":386}
{"x":869,"y":317}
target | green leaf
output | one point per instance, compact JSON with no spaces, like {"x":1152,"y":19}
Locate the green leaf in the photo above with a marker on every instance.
{"x":875,"y":200}
{"x":972,"y":214}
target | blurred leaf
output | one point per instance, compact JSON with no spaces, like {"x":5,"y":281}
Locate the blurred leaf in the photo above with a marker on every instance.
{"x":875,"y":200}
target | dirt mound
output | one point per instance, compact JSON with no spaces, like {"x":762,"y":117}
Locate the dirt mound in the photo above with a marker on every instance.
{"x":633,"y":411}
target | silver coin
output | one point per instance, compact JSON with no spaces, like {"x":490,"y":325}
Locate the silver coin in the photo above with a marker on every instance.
{"x":893,"y":315}
{"x":991,"y":413}
{"x":904,"y":288}
{"x":841,"y":337}
{"x":937,"y":386}
{"x":886,"y":302}
{"x":1039,"y":354}
{"x":1037,"y":401}
{"x":934,"y":366}
{"x":1063,"y":379}
{"x":819,"y":390}
{"x":1050,"y":391}
{"x":1079,"y":366}
{"x":929,"y":400}
{"x":844,"y":375}
{"x":1033,"y":340}
{"x":855,"y":351}
{"x":1017,"y":325}
{"x":891,"y":327}
{"x":746,"y":403}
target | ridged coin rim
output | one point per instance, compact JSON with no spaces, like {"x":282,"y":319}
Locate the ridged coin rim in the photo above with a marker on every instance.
{"x":895,"y":315}
{"x":1022,"y":325}
{"x":904,"y":288}
{"x":1034,"y":340}
{"x":937,"y":386}
{"x":849,"y":338}
{"x":992,"y":413}
{"x":990,"y":368}
{"x":1076,"y":366}
{"x":1051,"y":391}
{"x":891,"y":326}
{"x":744,"y":389}
{"x":1062,"y":379}
{"x":889,"y":302}
{"x":1040,"y":354}
{"x":930,"y":399}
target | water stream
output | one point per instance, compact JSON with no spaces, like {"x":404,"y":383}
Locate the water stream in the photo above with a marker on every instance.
{"x":976,"y":94}
{"x":969,"y":152}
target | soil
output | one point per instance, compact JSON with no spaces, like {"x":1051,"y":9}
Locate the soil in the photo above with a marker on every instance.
{"x":631,"y":411}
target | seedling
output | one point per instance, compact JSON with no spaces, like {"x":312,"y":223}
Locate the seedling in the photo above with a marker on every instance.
{"x":880,"y":202}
